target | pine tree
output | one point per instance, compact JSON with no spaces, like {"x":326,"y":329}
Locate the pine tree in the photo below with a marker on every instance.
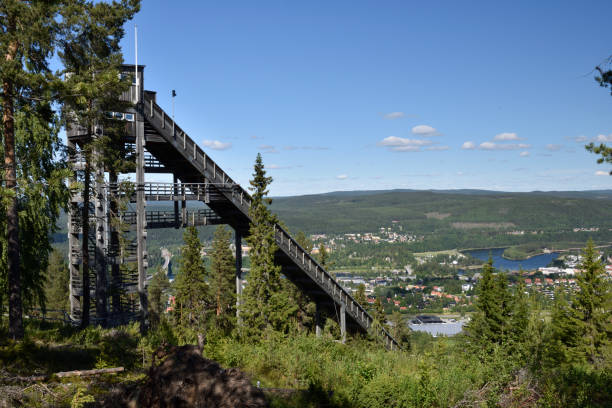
{"x":91,"y":54}
{"x":158,"y":296}
{"x":265,"y":305}
{"x":582,"y":328}
{"x":223,"y":280}
{"x":27,"y":35}
{"x":192,"y":293}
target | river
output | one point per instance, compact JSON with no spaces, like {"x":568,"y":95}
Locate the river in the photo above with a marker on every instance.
{"x":500,"y":263}
{"x":439,"y":329}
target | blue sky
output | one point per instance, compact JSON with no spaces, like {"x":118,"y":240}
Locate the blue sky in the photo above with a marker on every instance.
{"x":365,"y":95}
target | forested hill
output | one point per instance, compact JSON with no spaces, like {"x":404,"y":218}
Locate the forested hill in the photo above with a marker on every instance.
{"x":431,"y":211}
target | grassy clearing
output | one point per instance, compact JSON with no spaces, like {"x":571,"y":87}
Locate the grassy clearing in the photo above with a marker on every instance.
{"x":451,"y":252}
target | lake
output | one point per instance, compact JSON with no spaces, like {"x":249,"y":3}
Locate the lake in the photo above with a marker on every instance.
{"x":500,"y":263}
{"x":438,"y":329}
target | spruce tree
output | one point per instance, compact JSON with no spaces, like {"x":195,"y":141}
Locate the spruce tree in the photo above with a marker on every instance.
{"x":306,"y":308}
{"x":518,"y":324}
{"x":158,"y":297}
{"x":192,"y":293}
{"x":360,"y":295}
{"x":58,"y":279}
{"x":379,"y":311}
{"x":323,"y":256}
{"x":400,"y":330}
{"x":265,"y":305}
{"x":582,"y":327}
{"x":487,"y":325}
{"x":223,"y":280}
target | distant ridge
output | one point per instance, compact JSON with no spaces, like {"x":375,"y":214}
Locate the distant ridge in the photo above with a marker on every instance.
{"x":441,"y":212}
{"x":593,"y":194}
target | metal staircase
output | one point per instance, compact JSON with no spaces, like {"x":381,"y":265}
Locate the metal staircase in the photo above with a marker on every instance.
{"x":173,"y":148}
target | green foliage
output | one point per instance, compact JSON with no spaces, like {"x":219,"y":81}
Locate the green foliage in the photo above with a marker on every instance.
{"x":58,"y":279}
{"x":604,"y":151}
{"x":360,"y":295}
{"x":379,"y":311}
{"x":501,"y":320}
{"x":192,"y":293}
{"x":359,"y":374}
{"x":158,"y":296}
{"x":304,"y":241}
{"x":582,"y":326}
{"x":90,"y":52}
{"x":41,"y":194}
{"x":323,"y":257}
{"x":223,"y":281}
{"x":81,"y":398}
{"x":400,"y":331}
{"x":264,"y":303}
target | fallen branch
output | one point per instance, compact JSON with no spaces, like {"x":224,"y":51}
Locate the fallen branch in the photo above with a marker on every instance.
{"x":62,"y":374}
{"x":82,"y":373}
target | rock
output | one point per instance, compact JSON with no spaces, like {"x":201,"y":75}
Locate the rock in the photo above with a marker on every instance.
{"x":186,"y":379}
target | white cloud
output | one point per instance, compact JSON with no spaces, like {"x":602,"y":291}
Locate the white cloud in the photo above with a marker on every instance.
{"x":255,"y":137}
{"x":603,"y":138}
{"x":268,"y":148}
{"x":580,"y":139}
{"x":524,"y":154}
{"x":216,"y":145}
{"x":277,"y":167}
{"x":342,"y":177}
{"x":553,"y":147}
{"x":507,"y":136}
{"x":424,"y":130}
{"x":468,"y":146}
{"x":601,"y":173}
{"x":502,"y":146}
{"x":406,"y":148}
{"x":400,"y":144}
{"x":394,"y":115}
{"x":437,"y":148}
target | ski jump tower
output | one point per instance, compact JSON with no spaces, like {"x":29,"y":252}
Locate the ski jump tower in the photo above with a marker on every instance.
{"x":118,"y":293}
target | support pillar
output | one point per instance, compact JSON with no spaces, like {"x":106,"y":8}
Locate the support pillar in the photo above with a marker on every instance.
{"x":114,"y":250}
{"x":176,"y":193}
{"x":238,"y":243}
{"x":141,"y":222}
{"x":100,"y":236}
{"x":184,"y":207}
{"x":343,"y":322}
{"x":74,"y":247}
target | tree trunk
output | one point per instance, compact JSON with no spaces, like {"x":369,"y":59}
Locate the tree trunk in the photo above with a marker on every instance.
{"x":85,"y":244}
{"x":219,"y":300}
{"x":12,"y":216}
